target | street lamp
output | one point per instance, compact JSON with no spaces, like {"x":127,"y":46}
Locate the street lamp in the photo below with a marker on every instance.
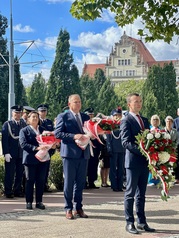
{"x":11,"y":95}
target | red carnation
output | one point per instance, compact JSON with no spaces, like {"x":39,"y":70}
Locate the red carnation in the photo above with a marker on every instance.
{"x":164,"y":169}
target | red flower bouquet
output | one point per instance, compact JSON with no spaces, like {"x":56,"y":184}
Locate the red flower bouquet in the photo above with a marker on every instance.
{"x":100,"y":125}
{"x":48,"y":139}
{"x":160,"y":151}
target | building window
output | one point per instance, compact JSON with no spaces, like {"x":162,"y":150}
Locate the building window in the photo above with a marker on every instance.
{"x":114,"y":73}
{"x":124,"y":62}
{"x":126,"y":72}
{"x":120,"y":73}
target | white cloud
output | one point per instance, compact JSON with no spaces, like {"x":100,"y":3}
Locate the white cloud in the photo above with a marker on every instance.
{"x":28,"y":78}
{"x":50,"y":42}
{"x":98,"y":43}
{"x":107,"y":16}
{"x":24,"y":29}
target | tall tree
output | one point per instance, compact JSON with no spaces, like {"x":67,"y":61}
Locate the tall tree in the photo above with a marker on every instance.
{"x":107,"y":99}
{"x":127,"y":87}
{"x":160,"y":18}
{"x":88,"y":95}
{"x":75,"y":80}
{"x":19,"y":90}
{"x":160,"y":89}
{"x":60,"y":82}
{"x":37,"y":92}
{"x":4,"y":71}
{"x":170,"y":92}
{"x":99,"y":79}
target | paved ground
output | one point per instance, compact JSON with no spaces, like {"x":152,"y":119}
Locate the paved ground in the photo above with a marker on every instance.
{"x":106,"y":216}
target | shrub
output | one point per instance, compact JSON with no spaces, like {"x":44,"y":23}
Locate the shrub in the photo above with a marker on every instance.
{"x":1,"y":174}
{"x":56,"y":171}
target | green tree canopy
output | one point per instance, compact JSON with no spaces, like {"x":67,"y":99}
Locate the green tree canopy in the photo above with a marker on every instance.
{"x":62,"y":79}
{"x":160,"y":18}
{"x":126,"y":87}
{"x":88,"y":95}
{"x":37,"y":91}
{"x":159,"y":92}
{"x":4,"y":71}
{"x":107,"y":99}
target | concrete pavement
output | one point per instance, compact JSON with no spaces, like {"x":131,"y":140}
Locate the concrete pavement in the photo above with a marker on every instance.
{"x":106,"y":216}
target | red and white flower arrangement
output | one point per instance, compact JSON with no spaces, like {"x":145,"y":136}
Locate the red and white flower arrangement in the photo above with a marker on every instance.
{"x":160,"y":151}
{"x":98,"y":125}
{"x":47,"y":139}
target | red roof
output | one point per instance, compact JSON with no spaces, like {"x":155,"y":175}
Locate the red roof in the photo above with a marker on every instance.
{"x":90,"y":69}
{"x":142,"y":49}
{"x":161,"y":63}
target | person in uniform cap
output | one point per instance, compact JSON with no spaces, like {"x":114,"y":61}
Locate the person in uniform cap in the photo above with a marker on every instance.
{"x":13,"y":153}
{"x":49,"y":126}
{"x":65,"y":109}
{"x":117,"y":153}
{"x":92,"y":172}
{"x":26,"y":111}
{"x":90,"y":112}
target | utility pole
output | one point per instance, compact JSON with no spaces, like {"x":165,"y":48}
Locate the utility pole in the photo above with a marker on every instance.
{"x":11,"y":95}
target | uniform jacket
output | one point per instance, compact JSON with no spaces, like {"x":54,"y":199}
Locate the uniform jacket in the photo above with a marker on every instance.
{"x":114,"y":144}
{"x":27,"y":139}
{"x":129,"y":129}
{"x":47,"y":124}
{"x":66,"y":128}
{"x":10,"y":138}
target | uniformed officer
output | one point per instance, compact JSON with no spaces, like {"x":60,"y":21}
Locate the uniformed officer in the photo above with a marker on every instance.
{"x":13,"y":153}
{"x":26,"y":111}
{"x":93,"y":162}
{"x":48,"y":125}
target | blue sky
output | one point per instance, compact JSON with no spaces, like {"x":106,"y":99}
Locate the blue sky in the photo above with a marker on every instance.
{"x":91,"y":42}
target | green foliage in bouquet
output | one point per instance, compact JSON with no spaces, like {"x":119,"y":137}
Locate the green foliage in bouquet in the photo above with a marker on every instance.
{"x":56,"y":171}
{"x":1,"y":174}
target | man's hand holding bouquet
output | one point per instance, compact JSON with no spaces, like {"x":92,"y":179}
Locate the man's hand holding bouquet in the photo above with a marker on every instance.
{"x":160,"y":151}
{"x":46,"y":142}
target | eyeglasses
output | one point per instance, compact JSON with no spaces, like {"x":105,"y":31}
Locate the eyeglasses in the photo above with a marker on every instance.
{"x":155,"y":119}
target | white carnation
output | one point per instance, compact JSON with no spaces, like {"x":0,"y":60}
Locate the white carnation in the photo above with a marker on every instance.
{"x":157,"y":135}
{"x":150,"y":136}
{"x":166,"y":136}
{"x":163,"y":157}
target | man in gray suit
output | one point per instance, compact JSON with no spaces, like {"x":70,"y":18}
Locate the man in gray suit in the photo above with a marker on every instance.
{"x":75,"y":159}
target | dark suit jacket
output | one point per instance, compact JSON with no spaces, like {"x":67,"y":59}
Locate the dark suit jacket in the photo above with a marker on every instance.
{"x":27,"y":139}
{"x":66,"y":128}
{"x":129,"y":129}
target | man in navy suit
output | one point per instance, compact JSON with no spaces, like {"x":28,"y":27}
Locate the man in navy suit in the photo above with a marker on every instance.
{"x":75,"y":160}
{"x":136,"y":166}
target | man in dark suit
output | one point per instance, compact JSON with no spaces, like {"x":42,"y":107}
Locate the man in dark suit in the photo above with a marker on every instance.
{"x":13,"y":153}
{"x":136,"y":166}
{"x":75,"y":160}
{"x":48,"y":125}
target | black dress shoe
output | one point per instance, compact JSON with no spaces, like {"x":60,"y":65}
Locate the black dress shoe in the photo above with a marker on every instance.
{"x":131,"y":229}
{"x":92,"y":186}
{"x":29,"y":206}
{"x":19,"y":195}
{"x":10,"y":195}
{"x":145,"y":227}
{"x":40,"y":205}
